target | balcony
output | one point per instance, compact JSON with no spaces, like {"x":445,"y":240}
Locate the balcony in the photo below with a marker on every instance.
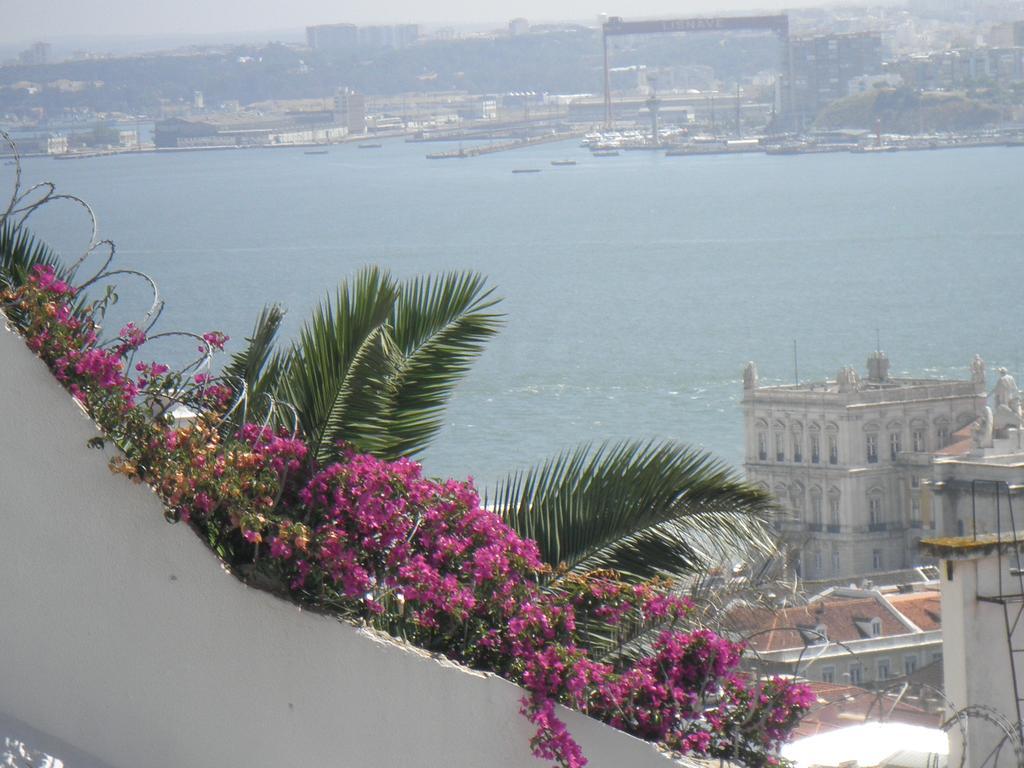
{"x":876,"y":527}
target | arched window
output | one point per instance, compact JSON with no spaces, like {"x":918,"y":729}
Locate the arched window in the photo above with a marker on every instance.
{"x":833,"y":509}
{"x":779,"y":430}
{"x":814,"y":438}
{"x":761,"y":429}
{"x":797,"y":431}
{"x":876,"y":515}
{"x":796,"y":498}
{"x":832,"y":437}
{"x":919,"y":435}
{"x":871,"y":443}
{"x":814,"y":516}
{"x":895,"y":429}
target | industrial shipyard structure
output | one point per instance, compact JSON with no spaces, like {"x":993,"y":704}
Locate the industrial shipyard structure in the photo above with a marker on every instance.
{"x":811,"y":71}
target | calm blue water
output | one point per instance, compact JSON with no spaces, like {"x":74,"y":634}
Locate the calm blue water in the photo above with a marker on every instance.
{"x":635,"y":286}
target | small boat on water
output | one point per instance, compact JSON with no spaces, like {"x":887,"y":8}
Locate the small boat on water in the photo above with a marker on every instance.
{"x":526,"y":170}
{"x":315,"y":152}
{"x":370,"y":146}
{"x":563,"y":162}
{"x":605,"y":153}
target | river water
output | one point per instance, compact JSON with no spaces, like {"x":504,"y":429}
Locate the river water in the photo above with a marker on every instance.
{"x":635,"y":286}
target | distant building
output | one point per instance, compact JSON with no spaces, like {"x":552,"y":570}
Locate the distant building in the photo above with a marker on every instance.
{"x":392,"y":36}
{"x":846,"y":459}
{"x":961,"y":68}
{"x":345,"y":38}
{"x":57,"y":145}
{"x":350,"y":110}
{"x":37,"y":53}
{"x":197,"y":100}
{"x":175,"y":133}
{"x":128,"y":139}
{"x":518,"y":26}
{"x":821,"y":68}
{"x":333,"y":38}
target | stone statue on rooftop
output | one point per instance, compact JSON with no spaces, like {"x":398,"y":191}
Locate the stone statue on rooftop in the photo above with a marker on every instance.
{"x":1007,"y":403}
{"x":750,"y":375}
{"x":847,"y":379}
{"x":978,"y":372}
{"x":981,"y":431}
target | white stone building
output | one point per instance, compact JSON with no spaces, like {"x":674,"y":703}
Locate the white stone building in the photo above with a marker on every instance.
{"x":845,"y":458}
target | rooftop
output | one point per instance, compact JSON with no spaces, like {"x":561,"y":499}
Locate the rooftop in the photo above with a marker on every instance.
{"x":841,"y":618}
{"x":877,"y":386}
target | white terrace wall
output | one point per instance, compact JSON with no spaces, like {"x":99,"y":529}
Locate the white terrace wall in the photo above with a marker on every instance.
{"x":122,"y":635}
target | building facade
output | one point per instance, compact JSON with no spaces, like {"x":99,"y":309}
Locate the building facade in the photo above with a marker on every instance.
{"x":846,"y":460}
{"x":350,"y":110}
{"x":822,"y":67}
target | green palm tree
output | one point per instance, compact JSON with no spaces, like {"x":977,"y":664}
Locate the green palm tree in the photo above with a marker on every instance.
{"x":374,"y":366}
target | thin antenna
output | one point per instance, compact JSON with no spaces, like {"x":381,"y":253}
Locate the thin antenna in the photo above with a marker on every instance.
{"x":796,"y":373}
{"x":878,"y":341}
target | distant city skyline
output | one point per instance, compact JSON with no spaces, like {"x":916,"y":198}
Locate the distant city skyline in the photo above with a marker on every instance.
{"x":63,"y":19}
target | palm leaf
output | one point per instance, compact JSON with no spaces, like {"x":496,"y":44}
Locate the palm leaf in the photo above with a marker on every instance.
{"x":337,"y":367}
{"x":643,"y":509}
{"x":20,"y":251}
{"x":440,"y":327}
{"x":258,"y":366}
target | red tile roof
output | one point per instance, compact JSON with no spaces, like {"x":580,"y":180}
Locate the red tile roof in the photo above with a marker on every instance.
{"x":924,"y":609}
{"x":843,"y":618}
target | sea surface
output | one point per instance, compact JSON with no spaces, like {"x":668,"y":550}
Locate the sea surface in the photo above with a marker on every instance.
{"x":635,"y":287}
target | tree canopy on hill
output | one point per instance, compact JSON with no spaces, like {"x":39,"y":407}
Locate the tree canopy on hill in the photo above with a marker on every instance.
{"x":561,"y":61}
{"x":903,"y":110}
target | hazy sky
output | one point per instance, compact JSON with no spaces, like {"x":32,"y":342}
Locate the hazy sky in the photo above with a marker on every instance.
{"x":26,"y":20}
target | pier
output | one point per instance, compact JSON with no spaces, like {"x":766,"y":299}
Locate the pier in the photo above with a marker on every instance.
{"x":504,"y":146}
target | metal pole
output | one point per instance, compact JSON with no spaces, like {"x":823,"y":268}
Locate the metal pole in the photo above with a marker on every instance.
{"x":607,"y":84}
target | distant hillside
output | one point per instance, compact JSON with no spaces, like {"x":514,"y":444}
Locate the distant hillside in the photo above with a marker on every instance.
{"x":906,"y":111}
{"x":561,"y":61}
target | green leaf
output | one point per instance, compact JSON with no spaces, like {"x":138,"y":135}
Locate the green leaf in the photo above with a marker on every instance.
{"x":342,"y":350}
{"x":643,"y":509}
{"x":258,"y":365}
{"x":20,"y":251}
{"x":441,"y":326}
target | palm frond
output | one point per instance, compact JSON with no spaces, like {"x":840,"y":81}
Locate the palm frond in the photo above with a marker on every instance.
{"x":641,"y":508}
{"x":341,"y":342}
{"x":20,"y":251}
{"x":440,"y":326}
{"x":362,"y":405}
{"x":257,"y":367}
